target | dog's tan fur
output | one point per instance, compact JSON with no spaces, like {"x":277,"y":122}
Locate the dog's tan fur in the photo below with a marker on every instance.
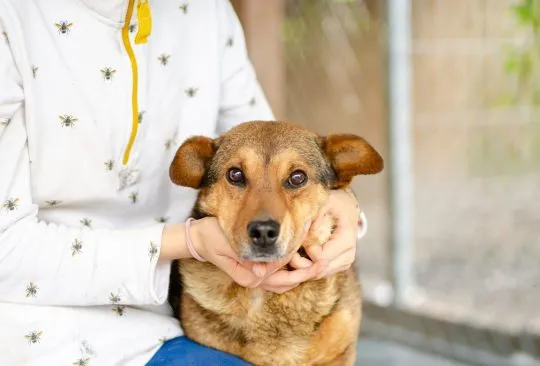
{"x":316,"y":323}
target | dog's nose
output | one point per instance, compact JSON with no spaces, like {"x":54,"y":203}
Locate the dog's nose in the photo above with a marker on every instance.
{"x":263,"y":233}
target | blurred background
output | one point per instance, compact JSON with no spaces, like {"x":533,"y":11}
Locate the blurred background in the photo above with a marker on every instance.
{"x":449,"y":93}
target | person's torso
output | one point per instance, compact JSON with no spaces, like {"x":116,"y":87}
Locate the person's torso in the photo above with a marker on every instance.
{"x":79,"y":76}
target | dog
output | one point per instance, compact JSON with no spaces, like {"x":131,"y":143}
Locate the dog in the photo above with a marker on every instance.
{"x":263,"y":180}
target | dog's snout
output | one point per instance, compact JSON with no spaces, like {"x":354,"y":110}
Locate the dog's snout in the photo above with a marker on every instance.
{"x":263,"y":233}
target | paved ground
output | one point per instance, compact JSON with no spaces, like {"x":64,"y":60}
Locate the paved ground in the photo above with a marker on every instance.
{"x":381,"y":353}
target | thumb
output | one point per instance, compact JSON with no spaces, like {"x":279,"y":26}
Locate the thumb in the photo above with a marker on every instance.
{"x":315,"y":252}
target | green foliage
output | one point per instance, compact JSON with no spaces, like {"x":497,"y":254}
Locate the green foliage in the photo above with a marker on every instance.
{"x":523,"y":61}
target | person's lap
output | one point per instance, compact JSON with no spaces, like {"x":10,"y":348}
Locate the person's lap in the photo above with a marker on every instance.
{"x":185,"y":352}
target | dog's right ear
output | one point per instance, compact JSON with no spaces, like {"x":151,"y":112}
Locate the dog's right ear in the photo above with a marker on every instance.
{"x":189,"y":164}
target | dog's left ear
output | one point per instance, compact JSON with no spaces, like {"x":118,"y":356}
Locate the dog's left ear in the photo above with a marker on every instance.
{"x":189,"y":164}
{"x":350,"y":155}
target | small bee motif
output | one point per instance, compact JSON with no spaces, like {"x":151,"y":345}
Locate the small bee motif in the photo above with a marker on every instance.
{"x":34,"y":71}
{"x":5,"y":122}
{"x":184,"y":8}
{"x":162,"y":219}
{"x":108,"y":73}
{"x":114,"y":298}
{"x":252,"y":102}
{"x":132,"y":27}
{"x":140,"y":116}
{"x":119,"y":309}
{"x":109,"y":165}
{"x":64,"y":27}
{"x":134,"y":196}
{"x":31,"y":290}
{"x":86,"y":222}
{"x":53,"y":203}
{"x":164,"y":59}
{"x":152,"y":251}
{"x":191,"y":92}
{"x":230,"y":42}
{"x":168,"y":144}
{"x":34,"y":337}
{"x":76,"y":247}
{"x":82,"y":362}
{"x":11,"y":204}
{"x":67,"y":120}
{"x":5,"y":35}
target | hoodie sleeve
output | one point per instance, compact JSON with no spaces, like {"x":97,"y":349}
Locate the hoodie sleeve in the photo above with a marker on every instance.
{"x":242,"y":98}
{"x":51,"y":264}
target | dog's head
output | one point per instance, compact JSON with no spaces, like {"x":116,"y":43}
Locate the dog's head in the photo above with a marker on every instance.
{"x":265,"y":180}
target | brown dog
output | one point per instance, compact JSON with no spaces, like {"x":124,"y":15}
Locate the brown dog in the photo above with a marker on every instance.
{"x":264,"y":181}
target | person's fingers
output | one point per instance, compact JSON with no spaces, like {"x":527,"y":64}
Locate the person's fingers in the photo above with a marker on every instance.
{"x":334,"y":247}
{"x":299,"y":262}
{"x":285,"y":278}
{"x":325,"y":210}
{"x":238,"y":273}
{"x":343,"y":262}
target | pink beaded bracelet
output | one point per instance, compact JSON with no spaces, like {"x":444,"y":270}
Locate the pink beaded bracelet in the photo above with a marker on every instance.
{"x":189,"y":243}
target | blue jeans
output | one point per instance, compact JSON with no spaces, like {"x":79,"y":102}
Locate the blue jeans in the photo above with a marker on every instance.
{"x":185,"y":352}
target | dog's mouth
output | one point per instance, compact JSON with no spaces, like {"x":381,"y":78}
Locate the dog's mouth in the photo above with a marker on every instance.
{"x":272,"y":253}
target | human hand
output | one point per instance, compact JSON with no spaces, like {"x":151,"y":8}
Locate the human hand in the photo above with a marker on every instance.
{"x":338,"y":254}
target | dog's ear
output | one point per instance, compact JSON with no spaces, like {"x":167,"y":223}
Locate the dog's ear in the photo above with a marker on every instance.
{"x":189,"y":164}
{"x":350,"y":155}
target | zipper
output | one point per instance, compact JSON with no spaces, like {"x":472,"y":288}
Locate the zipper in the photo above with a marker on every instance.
{"x":144,"y":29}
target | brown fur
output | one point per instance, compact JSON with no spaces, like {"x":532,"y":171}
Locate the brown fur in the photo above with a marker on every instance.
{"x":317,"y":323}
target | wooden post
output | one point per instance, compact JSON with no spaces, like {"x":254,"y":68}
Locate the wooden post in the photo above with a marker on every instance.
{"x":262,"y":22}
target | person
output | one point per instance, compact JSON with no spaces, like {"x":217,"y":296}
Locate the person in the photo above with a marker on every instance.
{"x":95,"y":97}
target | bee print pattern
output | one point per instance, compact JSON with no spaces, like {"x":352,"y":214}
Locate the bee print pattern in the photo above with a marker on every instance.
{"x":108,"y":73}
{"x":31,"y":290}
{"x":86,"y":222}
{"x":34,"y":337}
{"x":109,"y":165}
{"x":230,"y":42}
{"x":52,"y":203}
{"x":82,"y":362}
{"x":133,"y":197}
{"x":191,"y":92}
{"x":5,"y":36}
{"x":119,"y":309}
{"x":4,"y":122}
{"x":184,"y":8}
{"x":162,"y":219}
{"x":164,"y":59}
{"x":11,"y":204}
{"x":64,"y":27}
{"x":152,"y":251}
{"x":140,"y":116}
{"x":252,"y":102}
{"x":114,"y":298}
{"x":34,"y":71}
{"x":76,"y":247}
{"x":168,"y":144}
{"x":67,"y":120}
{"x":132,"y":27}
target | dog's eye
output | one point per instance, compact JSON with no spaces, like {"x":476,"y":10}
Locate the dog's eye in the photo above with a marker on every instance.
{"x":236,"y":176}
{"x":297,"y":179}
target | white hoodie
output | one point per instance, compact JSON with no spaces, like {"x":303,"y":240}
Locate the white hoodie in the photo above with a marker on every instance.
{"x":89,"y":122}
